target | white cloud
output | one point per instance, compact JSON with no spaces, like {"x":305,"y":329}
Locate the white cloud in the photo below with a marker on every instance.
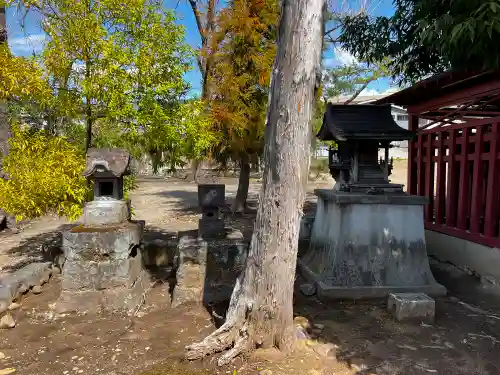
{"x":369,"y":92}
{"x":27,"y":44}
{"x":343,"y":57}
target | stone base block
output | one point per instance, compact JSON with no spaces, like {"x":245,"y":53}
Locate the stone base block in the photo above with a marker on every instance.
{"x":191,"y":267}
{"x":326,"y":292}
{"x":226,"y":259}
{"x":411,"y":307}
{"x":106,"y":211}
{"x":121,"y":299}
{"x":102,"y":242}
{"x":211,"y":228}
{"x":367,"y":246}
{"x":98,"y":275}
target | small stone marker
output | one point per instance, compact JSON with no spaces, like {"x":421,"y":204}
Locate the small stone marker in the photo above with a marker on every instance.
{"x":411,"y":306}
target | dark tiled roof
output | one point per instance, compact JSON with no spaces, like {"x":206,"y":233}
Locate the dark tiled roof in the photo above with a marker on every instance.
{"x":113,"y":160}
{"x":361,"y":121}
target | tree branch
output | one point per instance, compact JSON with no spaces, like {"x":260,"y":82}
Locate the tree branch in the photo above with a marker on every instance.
{"x":199,"y":23}
{"x":358,"y":91}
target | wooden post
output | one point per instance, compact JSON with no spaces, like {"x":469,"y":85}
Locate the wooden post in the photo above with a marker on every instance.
{"x":441,"y":181}
{"x":492,"y":189}
{"x":463,"y":192}
{"x":477,"y":183}
{"x":452,"y":188}
{"x":412,"y":166}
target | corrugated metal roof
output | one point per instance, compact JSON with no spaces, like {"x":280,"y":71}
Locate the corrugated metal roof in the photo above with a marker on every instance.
{"x":361,"y":121}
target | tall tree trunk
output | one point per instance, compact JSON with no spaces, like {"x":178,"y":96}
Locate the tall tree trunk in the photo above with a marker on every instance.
{"x":4,"y":123}
{"x":260,"y":313}
{"x":195,"y":167}
{"x":240,"y":202}
{"x":88,"y":112}
{"x":88,"y":129}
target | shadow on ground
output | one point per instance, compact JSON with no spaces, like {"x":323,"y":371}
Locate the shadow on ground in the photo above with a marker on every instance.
{"x":40,"y":247}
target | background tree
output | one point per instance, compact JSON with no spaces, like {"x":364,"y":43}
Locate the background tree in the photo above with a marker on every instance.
{"x":427,"y":37}
{"x":261,"y":307}
{"x":118,"y":63}
{"x":245,"y":44}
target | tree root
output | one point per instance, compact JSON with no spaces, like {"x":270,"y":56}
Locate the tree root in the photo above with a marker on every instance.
{"x":232,"y":335}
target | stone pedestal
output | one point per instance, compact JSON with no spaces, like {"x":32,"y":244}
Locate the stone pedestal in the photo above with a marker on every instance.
{"x":106,"y":211}
{"x":365,"y":246}
{"x":207,"y":269}
{"x":103,"y":268}
{"x":191,"y":264}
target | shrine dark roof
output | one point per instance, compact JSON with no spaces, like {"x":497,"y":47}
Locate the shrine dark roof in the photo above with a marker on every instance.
{"x":114,"y":161}
{"x":361,"y":121}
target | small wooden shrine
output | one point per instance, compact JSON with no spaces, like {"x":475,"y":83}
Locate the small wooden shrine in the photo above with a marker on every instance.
{"x":360,"y":131}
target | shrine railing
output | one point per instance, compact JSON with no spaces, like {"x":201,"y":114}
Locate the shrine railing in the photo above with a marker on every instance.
{"x":457,"y":167}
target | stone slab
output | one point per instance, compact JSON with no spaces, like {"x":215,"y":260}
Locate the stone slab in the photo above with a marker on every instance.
{"x":22,"y":280}
{"x":341,"y":197}
{"x":325,"y":292}
{"x":411,"y":307}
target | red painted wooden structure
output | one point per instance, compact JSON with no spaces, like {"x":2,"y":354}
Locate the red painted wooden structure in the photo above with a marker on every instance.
{"x":454,"y":159}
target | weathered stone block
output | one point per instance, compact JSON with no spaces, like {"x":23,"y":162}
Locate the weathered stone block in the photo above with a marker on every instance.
{"x":191,"y":268}
{"x":81,"y":275}
{"x":106,"y":211}
{"x":411,"y":306}
{"x":120,"y":299}
{"x":191,"y":250}
{"x":159,"y":253}
{"x":97,"y":243}
{"x":211,"y":195}
{"x":211,"y":228}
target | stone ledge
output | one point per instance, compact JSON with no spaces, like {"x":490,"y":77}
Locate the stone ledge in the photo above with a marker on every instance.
{"x":352,"y":198}
{"x":12,"y":286}
{"x":326,"y":292}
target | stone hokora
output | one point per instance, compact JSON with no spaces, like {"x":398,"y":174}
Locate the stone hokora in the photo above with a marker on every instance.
{"x":104,"y":268}
{"x":368,"y":237}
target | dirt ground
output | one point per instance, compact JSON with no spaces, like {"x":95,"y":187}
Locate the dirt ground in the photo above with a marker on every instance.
{"x":464,"y":340}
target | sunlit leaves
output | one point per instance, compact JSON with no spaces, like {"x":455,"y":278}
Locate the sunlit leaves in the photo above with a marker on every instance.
{"x":36,"y":160}
{"x":20,"y":77}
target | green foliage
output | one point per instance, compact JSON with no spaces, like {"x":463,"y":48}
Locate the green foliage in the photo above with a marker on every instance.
{"x":245,"y":45}
{"x":427,"y":37}
{"x":44,"y":176}
{"x":351,"y":79}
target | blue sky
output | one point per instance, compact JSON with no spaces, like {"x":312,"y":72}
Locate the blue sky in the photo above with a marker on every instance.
{"x":25,"y":41}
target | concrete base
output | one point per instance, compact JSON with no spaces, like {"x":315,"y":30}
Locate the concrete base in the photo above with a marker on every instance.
{"x":367,"y":246}
{"x":416,"y":307}
{"x":467,"y":255}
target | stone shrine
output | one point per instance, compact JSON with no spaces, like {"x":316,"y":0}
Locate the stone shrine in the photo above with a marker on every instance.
{"x":368,"y":237}
{"x":211,"y":197}
{"x":209,"y":260}
{"x":103,"y":269}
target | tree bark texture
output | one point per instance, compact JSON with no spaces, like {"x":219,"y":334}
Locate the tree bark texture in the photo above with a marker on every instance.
{"x":240,"y":202}
{"x":260,"y":312}
{"x":4,"y":118}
